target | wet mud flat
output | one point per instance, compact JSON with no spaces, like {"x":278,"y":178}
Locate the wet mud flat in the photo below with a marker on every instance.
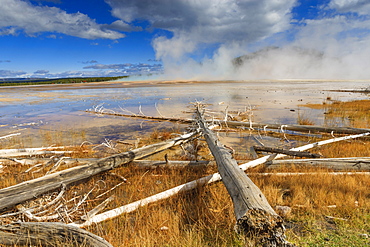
{"x":56,"y":113}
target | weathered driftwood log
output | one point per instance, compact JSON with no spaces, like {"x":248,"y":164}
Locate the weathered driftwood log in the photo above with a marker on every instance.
{"x":236,"y":124}
{"x":131,"y":207}
{"x":32,"y":151}
{"x":337,"y":164}
{"x":169,"y":119}
{"x":10,"y":135}
{"x":48,"y":234}
{"x":305,"y":128}
{"x":287,"y":152}
{"x":268,"y":158}
{"x":13,"y":195}
{"x":308,"y":173}
{"x":35,"y":161}
{"x":170,"y":163}
{"x":255,"y":217}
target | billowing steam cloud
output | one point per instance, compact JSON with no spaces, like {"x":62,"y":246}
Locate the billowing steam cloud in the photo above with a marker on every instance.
{"x":333,"y":45}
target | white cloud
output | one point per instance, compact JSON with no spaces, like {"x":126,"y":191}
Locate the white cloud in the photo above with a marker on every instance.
{"x":334,"y":45}
{"x":21,"y":15}
{"x":122,"y":26}
{"x":41,"y":72}
{"x":127,"y":68}
{"x":357,"y":6}
{"x":206,"y":21}
{"x":173,"y":48}
{"x":11,"y":73}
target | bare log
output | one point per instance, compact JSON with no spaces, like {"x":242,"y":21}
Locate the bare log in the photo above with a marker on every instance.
{"x":110,"y":214}
{"x":41,"y":152}
{"x":255,"y":217}
{"x":287,"y":152}
{"x":283,"y":174}
{"x":48,"y":234}
{"x":170,"y":164}
{"x":10,"y":135}
{"x":268,"y":158}
{"x":27,"y":190}
{"x":337,"y":164}
{"x":248,"y":125}
{"x":305,"y":128}
{"x":35,"y":161}
{"x":179,"y":120}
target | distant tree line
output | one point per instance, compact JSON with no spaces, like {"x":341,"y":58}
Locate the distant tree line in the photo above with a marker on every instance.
{"x":23,"y":81}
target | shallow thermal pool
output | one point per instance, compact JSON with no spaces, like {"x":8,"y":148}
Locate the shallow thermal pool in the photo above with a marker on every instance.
{"x":37,"y":111}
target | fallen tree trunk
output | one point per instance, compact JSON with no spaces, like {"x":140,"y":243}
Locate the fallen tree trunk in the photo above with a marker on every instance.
{"x":237,"y":124}
{"x":337,"y":164}
{"x":34,"y":161}
{"x":170,"y":164}
{"x":287,"y":152}
{"x":179,"y":120}
{"x":29,"y":151}
{"x":10,"y":135}
{"x":255,"y":217}
{"x":13,"y":195}
{"x":308,"y":173}
{"x":110,"y":214}
{"x":48,"y":234}
{"x":268,"y":158}
{"x":305,"y":128}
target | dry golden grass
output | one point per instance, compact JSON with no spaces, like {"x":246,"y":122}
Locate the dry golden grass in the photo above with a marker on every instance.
{"x":352,"y":113}
{"x":204,"y":217}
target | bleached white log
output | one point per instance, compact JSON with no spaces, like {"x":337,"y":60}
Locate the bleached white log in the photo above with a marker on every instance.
{"x":8,"y":153}
{"x":28,"y":150}
{"x":11,"y":135}
{"x":35,"y":161}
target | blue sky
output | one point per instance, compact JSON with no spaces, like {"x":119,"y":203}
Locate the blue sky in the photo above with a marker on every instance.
{"x":185,"y":39}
